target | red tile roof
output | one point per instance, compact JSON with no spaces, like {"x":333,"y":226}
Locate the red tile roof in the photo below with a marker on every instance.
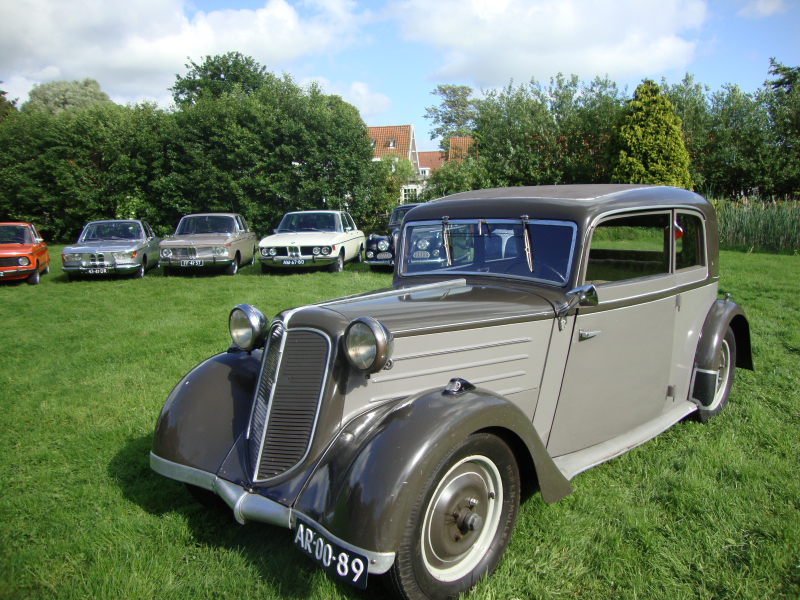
{"x":383,"y":136}
{"x":459,"y":148}
{"x":431,"y":160}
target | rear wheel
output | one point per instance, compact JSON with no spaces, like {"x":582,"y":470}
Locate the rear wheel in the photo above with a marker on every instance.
{"x":726,"y":358}
{"x":33,"y":278}
{"x":461,"y":523}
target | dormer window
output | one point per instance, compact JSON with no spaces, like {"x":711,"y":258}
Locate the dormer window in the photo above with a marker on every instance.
{"x":372,"y":143}
{"x":391,"y":142}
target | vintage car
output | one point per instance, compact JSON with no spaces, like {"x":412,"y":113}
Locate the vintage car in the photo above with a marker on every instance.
{"x":312,"y":238}
{"x":115,"y":247}
{"x":23,"y":253}
{"x":380,"y":248}
{"x":392,"y":431}
{"x":208,"y":240}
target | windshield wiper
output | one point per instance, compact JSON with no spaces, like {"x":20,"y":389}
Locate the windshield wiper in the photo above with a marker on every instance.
{"x":310,"y":229}
{"x":526,"y":234}
{"x":446,"y":240}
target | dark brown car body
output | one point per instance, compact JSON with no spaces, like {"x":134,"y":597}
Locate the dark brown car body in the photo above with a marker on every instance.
{"x":294,"y":436}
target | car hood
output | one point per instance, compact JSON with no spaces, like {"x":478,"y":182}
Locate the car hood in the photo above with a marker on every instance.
{"x":301,"y":238}
{"x":103,"y":246}
{"x":411,"y":310}
{"x":15,"y":249}
{"x":199,"y":239}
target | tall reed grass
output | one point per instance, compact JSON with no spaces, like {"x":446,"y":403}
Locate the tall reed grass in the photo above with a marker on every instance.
{"x":763,"y":225}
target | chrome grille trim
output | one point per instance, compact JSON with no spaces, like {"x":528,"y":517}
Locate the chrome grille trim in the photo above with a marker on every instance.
{"x":281,"y":428}
{"x":258,"y":412}
{"x":384,"y":256}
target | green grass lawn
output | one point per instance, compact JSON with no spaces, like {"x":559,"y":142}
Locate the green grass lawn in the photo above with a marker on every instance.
{"x":700,"y":512}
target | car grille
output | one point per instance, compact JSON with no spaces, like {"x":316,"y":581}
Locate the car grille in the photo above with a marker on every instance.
{"x":384,"y":255}
{"x":11,"y":261}
{"x":287,"y":401}
{"x":183,"y":252}
{"x":422,"y":254}
{"x":99,"y":260}
{"x":281,"y":251}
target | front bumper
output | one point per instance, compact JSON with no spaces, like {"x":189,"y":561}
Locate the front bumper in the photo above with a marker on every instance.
{"x":384,"y":263}
{"x":125,"y":269}
{"x":248,"y":506}
{"x":210,"y":262}
{"x":11,"y":273}
{"x":292,"y":261}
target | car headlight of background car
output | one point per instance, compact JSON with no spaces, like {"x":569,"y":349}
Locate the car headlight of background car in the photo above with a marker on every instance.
{"x":423,"y":244}
{"x":124,"y":256}
{"x":247,"y":326}
{"x":368,"y":345}
{"x":166,"y":252}
{"x":71,"y":257}
{"x":326,"y":250}
{"x":383,"y":245}
{"x":220,"y":251}
{"x":24,"y":261}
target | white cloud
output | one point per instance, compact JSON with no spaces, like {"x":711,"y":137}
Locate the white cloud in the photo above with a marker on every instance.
{"x":369,"y":104}
{"x":134,"y":49}
{"x":762,"y":8}
{"x":490,"y":41}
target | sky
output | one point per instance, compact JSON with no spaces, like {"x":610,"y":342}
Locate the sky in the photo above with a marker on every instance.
{"x":386,"y":57}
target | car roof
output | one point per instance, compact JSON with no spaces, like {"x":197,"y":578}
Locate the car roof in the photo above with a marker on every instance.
{"x":15,"y":223}
{"x":115,"y":221}
{"x":212,"y":214}
{"x":578,"y":203}
{"x":297,"y":212}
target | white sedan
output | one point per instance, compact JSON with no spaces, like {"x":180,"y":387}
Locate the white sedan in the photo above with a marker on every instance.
{"x":312,"y":238}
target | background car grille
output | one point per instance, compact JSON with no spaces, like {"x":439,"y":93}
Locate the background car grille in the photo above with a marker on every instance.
{"x":11,"y":261}
{"x":422,"y":254}
{"x":384,"y":255}
{"x":183,"y":252}
{"x":98,"y":260}
{"x":281,"y":251}
{"x":286,"y":425}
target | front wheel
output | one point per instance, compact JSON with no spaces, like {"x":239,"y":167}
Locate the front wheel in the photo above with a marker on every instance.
{"x":461,"y":523}
{"x":33,"y":278}
{"x":142,"y":268}
{"x":46,"y":270}
{"x":726,"y":355}
{"x":360,"y":255}
{"x":233,"y":268}
{"x":336,"y":267}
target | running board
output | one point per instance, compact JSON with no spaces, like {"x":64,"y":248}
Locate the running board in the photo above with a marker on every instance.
{"x":574,"y":463}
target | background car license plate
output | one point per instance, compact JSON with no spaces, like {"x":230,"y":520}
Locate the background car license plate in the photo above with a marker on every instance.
{"x":296,"y":261}
{"x":97,"y":271}
{"x":191,"y":263}
{"x":343,"y":564}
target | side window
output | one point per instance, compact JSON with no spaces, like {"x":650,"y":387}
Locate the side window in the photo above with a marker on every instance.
{"x":628,"y":248}
{"x":350,"y":220}
{"x":689,"y":242}
{"x":148,"y":230}
{"x":345,"y":221}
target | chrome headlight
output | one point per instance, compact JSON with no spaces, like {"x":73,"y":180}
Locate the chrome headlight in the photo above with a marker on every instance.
{"x":383,"y":245}
{"x":368,"y":345}
{"x":370,"y":254}
{"x":326,"y":250}
{"x":272,"y":252}
{"x":423,"y":244}
{"x":264,"y":251}
{"x":220,"y":251}
{"x":166,"y":252}
{"x":24,"y":261}
{"x":124,"y":256}
{"x":316,"y":250}
{"x":71,"y":257}
{"x":248,"y":326}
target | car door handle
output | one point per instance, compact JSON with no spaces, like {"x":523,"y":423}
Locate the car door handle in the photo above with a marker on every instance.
{"x":587,"y":335}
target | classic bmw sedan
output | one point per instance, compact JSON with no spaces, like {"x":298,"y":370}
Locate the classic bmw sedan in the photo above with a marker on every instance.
{"x":114,"y":247}
{"x":208,"y":241}
{"x":392,"y":431}
{"x":23,"y":253}
{"x":312,"y":238}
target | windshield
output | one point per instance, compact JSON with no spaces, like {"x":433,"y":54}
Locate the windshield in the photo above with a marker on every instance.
{"x":206,"y":224}
{"x":111,"y":230}
{"x":491,"y":247}
{"x":309,"y":221}
{"x":398,"y":214}
{"x":15,"y":234}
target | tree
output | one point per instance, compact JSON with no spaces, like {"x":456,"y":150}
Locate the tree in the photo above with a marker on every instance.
{"x":647,"y":145}
{"x":56,"y":96}
{"x":455,"y":115}
{"x":784,"y":113}
{"x":218,"y":75}
{"x":691,"y":105}
{"x":788,"y":77}
{"x":6,"y":106}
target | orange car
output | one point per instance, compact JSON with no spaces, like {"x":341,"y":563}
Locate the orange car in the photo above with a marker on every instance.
{"x":23,"y":253}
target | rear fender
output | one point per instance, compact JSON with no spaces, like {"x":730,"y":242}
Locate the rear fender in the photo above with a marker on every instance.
{"x":207,"y":411}
{"x":364,"y":488}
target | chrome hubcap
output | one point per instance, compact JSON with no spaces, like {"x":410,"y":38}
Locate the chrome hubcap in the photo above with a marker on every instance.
{"x":462,"y":518}
{"x":722,"y":374}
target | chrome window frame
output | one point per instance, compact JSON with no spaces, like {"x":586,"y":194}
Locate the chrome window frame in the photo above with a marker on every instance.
{"x":402,"y":266}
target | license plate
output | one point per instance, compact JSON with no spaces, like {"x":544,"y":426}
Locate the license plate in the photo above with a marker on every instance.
{"x":342,"y":564}
{"x":296,"y":261}
{"x":97,"y":271}
{"x":191,"y":263}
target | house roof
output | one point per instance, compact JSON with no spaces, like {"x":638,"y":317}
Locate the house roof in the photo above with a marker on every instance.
{"x":459,"y":147}
{"x":430,"y":160}
{"x":401,"y":134}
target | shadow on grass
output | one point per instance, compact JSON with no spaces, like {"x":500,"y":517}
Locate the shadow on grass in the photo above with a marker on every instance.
{"x":269,"y":549}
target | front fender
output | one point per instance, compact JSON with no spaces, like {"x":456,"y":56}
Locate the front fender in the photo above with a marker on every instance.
{"x":364,"y":488}
{"x":207,"y":411}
